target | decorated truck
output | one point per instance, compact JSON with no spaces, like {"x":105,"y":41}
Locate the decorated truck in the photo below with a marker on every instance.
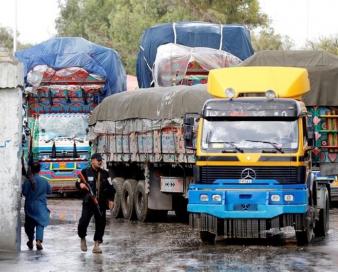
{"x":254,"y":174}
{"x":65,"y":79}
{"x":140,"y":135}
{"x":183,"y":53}
{"x":321,"y":103}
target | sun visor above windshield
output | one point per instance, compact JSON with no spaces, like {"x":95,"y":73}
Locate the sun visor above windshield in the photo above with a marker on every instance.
{"x":285,"y":82}
{"x":248,"y":108}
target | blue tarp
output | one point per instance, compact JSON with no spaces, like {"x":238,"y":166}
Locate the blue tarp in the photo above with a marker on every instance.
{"x":234,"y":39}
{"x":66,"y":52}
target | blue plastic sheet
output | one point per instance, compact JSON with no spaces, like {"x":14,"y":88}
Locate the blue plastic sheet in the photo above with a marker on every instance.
{"x":59,"y":53}
{"x":234,"y":39}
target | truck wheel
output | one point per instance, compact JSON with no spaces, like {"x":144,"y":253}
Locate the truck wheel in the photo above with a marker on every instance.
{"x":116,"y":212}
{"x":207,"y":237}
{"x":322,"y":226}
{"x":304,"y":237}
{"x":127,"y":201}
{"x":141,"y":202}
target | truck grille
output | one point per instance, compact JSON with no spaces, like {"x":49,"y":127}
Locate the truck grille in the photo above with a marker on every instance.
{"x":284,"y":175}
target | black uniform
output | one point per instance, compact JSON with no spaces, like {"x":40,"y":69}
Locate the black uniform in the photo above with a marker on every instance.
{"x":104,"y":192}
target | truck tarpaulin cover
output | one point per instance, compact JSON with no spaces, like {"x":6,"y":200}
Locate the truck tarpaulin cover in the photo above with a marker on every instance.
{"x":172,"y":62}
{"x":322,"y":68}
{"x":154,"y":103}
{"x":59,"y":53}
{"x":234,"y":39}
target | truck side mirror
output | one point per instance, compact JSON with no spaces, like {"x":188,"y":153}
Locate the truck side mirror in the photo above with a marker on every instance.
{"x":190,"y":120}
{"x":310,"y":132}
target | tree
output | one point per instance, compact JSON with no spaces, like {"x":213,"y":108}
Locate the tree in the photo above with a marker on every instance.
{"x":267,"y":39}
{"x":6,"y":40}
{"x":119,"y":23}
{"x":329,"y":44}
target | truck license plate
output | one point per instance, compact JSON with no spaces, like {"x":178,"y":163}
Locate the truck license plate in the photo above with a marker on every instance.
{"x":171,"y":184}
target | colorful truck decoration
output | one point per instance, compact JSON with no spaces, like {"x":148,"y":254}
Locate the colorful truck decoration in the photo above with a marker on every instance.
{"x":65,"y":79}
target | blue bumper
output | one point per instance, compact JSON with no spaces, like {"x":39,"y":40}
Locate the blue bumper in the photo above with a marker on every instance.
{"x":243,"y":201}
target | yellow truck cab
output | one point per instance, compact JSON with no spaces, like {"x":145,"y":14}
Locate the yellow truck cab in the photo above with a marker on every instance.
{"x":253,"y":158}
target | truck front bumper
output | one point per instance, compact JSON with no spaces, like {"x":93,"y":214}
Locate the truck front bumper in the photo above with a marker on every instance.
{"x":247,"y":201}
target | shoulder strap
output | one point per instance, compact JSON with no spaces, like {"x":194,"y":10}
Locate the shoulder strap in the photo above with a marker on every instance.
{"x":98,"y":184}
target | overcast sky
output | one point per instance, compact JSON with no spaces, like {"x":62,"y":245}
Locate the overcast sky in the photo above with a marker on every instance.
{"x":299,"y":19}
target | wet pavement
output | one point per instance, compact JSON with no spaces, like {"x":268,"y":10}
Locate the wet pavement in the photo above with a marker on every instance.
{"x":165,"y":246}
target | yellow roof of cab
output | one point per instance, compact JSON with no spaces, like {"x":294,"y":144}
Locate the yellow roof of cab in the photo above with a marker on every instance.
{"x":286,"y":82}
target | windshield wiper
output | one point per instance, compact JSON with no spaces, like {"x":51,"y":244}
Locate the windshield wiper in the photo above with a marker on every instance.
{"x":52,"y":139}
{"x":267,"y":142}
{"x":64,"y":137}
{"x":234,"y":146}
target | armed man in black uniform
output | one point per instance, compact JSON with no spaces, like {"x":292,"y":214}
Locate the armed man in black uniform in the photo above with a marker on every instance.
{"x":98,"y":196}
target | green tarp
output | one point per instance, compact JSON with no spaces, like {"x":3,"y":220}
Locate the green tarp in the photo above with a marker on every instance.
{"x":157,"y":103}
{"x":322,"y":68}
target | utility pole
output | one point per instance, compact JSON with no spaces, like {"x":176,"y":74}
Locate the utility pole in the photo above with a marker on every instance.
{"x":15,"y":25}
{"x":307,"y":19}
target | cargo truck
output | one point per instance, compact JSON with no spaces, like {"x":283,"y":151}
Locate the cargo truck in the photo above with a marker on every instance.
{"x":253,"y":173}
{"x":140,"y":135}
{"x":65,"y":79}
{"x":58,"y":122}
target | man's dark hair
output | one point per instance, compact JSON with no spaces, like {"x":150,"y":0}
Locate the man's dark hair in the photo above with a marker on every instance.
{"x":35,"y":168}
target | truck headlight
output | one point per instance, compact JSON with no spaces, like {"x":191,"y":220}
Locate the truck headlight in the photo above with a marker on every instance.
{"x":230,"y":93}
{"x":270,"y":94}
{"x":216,"y":198}
{"x":288,"y":198}
{"x":204,"y":198}
{"x":275,"y":198}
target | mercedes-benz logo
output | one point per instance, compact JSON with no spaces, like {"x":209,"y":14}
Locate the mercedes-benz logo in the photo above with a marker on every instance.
{"x":248,"y":173}
{"x":245,"y":207}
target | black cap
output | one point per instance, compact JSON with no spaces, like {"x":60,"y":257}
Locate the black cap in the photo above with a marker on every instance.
{"x":97,"y":156}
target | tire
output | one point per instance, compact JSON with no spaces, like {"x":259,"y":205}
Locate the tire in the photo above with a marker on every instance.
{"x":116,"y":212}
{"x":322,"y":226}
{"x":304,"y":237}
{"x":127,"y":200}
{"x":207,"y":237}
{"x":141,"y":202}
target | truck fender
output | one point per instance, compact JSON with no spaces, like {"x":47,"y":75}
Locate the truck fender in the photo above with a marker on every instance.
{"x":310,"y":181}
{"x":322,"y":195}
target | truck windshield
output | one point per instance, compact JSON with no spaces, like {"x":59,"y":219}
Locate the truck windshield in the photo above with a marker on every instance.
{"x":54,"y":126}
{"x":250,"y":136}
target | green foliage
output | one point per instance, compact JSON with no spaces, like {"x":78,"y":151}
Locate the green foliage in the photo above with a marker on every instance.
{"x":119,"y":23}
{"x":267,"y":39}
{"x":6,"y":40}
{"x":329,"y":44}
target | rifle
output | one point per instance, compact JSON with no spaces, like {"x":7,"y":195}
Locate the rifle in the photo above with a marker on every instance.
{"x":92,"y":195}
